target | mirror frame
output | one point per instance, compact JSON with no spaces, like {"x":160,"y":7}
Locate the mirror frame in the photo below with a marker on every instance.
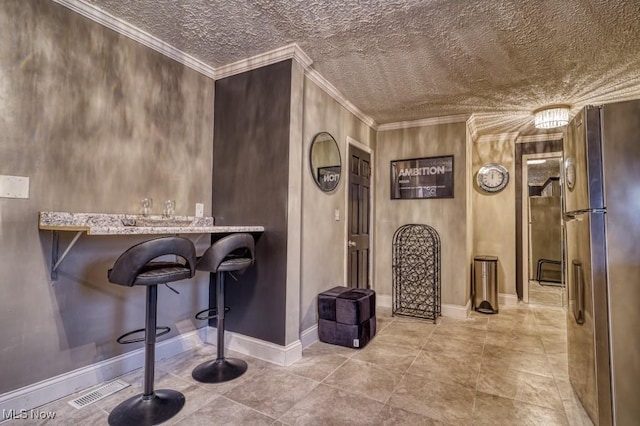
{"x":314,"y":140}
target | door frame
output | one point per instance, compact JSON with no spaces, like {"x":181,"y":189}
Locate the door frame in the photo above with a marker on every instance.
{"x":525,"y":215}
{"x":368,"y":150}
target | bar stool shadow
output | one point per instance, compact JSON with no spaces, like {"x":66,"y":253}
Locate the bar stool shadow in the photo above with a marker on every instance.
{"x":233,"y":253}
{"x":136,"y":267}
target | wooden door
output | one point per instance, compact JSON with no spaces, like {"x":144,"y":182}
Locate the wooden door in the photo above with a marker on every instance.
{"x":359,"y":210}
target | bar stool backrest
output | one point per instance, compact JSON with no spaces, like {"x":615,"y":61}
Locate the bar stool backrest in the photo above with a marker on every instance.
{"x":224,"y":248}
{"x":134,"y":260}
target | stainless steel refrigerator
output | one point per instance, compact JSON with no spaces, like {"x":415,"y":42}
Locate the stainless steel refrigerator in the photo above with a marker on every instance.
{"x":602,"y":224}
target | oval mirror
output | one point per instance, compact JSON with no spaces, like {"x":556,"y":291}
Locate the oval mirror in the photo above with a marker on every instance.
{"x":325,"y":161}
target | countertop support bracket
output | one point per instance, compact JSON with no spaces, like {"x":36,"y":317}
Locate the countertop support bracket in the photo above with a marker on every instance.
{"x":55,"y":261}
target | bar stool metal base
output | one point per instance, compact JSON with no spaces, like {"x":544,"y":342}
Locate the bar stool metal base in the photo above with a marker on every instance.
{"x":219,"y":370}
{"x":137,"y":411}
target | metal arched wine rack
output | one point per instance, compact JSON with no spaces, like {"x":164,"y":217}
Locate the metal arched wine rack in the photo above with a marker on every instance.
{"x":416,"y":272}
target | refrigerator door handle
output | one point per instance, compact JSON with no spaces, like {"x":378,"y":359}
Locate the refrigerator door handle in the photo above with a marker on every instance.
{"x":578,"y":283}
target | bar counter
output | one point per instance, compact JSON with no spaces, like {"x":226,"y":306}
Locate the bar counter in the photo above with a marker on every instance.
{"x":125,"y":224}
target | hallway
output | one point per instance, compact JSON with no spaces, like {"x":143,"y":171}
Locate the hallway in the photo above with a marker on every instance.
{"x":506,"y":369}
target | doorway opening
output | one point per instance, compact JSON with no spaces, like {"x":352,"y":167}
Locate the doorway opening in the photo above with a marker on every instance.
{"x":542,"y":229}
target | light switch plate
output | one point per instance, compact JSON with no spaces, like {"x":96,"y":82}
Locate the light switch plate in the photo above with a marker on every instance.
{"x":14,"y":186}
{"x":336,"y":214}
{"x":199,"y":210}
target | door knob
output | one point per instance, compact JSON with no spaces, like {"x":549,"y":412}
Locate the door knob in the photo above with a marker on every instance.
{"x":351,"y":243}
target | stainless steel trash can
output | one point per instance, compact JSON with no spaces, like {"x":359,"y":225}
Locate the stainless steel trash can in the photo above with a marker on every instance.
{"x":484,"y":292}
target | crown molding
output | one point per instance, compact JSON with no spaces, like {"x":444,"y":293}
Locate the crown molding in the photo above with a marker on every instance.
{"x":497,"y":137}
{"x":126,"y":29}
{"x":331,"y":90}
{"x":290,"y":51}
{"x":293,"y":51}
{"x":460,"y":118}
{"x":473,"y":127}
{"x":539,"y":138}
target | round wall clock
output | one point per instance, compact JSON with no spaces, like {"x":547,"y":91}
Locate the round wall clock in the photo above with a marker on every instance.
{"x":570,"y":173}
{"x":492,"y":177}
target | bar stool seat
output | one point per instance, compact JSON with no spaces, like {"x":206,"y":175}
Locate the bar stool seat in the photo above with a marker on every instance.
{"x":233,"y":265}
{"x":233,"y":253}
{"x":160,"y":273}
{"x":135,"y":267}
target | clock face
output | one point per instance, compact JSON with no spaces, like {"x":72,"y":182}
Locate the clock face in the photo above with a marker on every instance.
{"x":570,"y":173}
{"x":492,"y":177}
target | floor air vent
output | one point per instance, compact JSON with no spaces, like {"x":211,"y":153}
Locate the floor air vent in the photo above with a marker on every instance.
{"x":99,"y":393}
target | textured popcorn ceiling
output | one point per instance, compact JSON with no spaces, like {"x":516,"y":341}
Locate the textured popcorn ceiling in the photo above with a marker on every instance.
{"x":400,"y":60}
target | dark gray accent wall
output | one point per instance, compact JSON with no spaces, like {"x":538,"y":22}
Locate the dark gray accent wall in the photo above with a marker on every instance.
{"x":250,"y":187}
{"x":524,"y":149}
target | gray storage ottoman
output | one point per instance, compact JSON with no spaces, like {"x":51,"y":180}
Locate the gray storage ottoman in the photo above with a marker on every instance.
{"x":347,"y":316}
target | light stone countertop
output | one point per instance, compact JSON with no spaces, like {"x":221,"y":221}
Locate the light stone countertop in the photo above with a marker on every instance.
{"x":114,"y":224}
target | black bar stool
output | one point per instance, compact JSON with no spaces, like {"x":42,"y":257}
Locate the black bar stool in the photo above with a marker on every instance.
{"x":135,"y":267}
{"x":233,"y":253}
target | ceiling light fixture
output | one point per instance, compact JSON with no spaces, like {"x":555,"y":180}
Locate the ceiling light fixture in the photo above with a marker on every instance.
{"x":551,"y":116}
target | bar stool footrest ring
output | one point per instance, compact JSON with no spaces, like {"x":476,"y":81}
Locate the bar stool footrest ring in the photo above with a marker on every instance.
{"x":212,"y":313}
{"x":160,"y":331}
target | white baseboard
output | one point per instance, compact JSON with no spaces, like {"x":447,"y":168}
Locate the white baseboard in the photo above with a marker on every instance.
{"x":451,"y":311}
{"x":309,"y":336}
{"x":383,"y":300}
{"x":267,"y":351}
{"x":57,"y":387}
{"x":507,"y":299}
{"x":49,"y":390}
{"x":456,"y":311}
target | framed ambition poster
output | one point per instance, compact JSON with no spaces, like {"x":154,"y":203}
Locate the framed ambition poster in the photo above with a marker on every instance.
{"x":428,"y":177}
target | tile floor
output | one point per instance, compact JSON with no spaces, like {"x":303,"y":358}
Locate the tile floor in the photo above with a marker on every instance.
{"x":505,"y":369}
{"x":550,"y":295}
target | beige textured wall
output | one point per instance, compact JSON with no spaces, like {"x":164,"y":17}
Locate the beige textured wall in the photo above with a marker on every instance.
{"x":494,"y":214}
{"x":97,"y":122}
{"x":448,"y":216}
{"x":323,"y":238}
